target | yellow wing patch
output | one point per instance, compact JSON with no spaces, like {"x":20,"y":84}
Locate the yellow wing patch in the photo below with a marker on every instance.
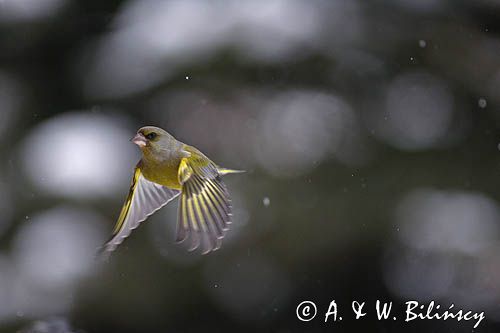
{"x":128,"y":202}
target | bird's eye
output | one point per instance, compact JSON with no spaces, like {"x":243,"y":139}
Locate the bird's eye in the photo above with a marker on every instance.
{"x":151,"y":136}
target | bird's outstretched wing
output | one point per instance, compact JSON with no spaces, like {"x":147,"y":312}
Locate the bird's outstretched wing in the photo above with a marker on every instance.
{"x":144,"y":198}
{"x":205,"y":205}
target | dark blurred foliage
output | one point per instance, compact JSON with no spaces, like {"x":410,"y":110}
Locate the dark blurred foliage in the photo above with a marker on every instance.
{"x":369,"y":130}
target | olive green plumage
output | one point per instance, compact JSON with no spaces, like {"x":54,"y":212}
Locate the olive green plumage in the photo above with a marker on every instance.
{"x":170,"y":168}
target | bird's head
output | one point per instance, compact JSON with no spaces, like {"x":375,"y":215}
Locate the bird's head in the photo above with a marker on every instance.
{"x":153,"y":140}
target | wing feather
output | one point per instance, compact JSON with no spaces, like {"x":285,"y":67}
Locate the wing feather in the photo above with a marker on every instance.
{"x":144,"y":198}
{"x":205,"y":206}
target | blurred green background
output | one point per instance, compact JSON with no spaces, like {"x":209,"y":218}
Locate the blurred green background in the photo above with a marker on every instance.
{"x":369,"y":130}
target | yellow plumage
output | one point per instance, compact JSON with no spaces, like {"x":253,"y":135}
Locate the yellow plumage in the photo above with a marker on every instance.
{"x":169,"y":168}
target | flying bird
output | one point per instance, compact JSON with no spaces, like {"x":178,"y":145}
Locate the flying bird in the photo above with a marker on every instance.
{"x":168,"y":169}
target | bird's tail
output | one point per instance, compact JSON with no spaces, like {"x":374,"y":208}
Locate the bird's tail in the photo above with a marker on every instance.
{"x":224,"y":171}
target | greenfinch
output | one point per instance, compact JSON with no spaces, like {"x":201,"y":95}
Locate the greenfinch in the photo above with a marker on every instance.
{"x":169,"y":168}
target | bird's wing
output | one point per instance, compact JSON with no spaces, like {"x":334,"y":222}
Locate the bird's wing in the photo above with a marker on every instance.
{"x":144,"y":198}
{"x":205,"y":205}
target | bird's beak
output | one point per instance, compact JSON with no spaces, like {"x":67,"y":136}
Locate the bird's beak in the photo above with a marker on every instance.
{"x":139,"y":140}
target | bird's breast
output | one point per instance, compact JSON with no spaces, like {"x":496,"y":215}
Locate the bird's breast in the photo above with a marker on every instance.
{"x":164,"y":173}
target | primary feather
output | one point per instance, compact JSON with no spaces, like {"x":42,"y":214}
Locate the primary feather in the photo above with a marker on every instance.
{"x":205,"y":205}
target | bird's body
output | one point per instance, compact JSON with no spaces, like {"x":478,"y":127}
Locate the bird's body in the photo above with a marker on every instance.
{"x":169,"y":168}
{"x":165,"y":171}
